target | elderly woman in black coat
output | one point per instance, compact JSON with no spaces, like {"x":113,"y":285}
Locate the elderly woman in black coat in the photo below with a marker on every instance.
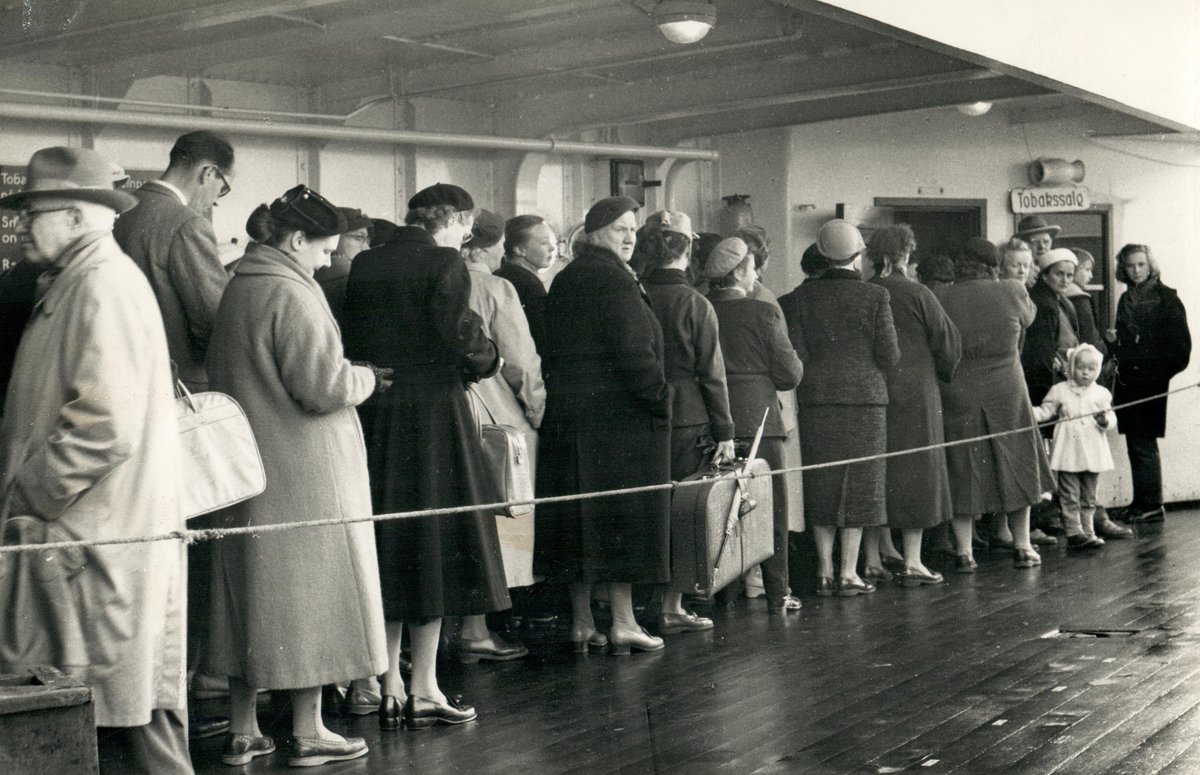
{"x":918,"y":486}
{"x":407,"y":308}
{"x":1151,"y":344}
{"x":759,"y":361}
{"x":607,"y":426}
{"x":842,"y":330}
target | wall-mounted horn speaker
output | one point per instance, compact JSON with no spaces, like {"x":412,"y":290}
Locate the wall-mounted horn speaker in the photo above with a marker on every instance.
{"x":1054,"y":172}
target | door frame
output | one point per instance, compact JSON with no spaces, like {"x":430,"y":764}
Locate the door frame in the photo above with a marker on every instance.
{"x":938,"y":204}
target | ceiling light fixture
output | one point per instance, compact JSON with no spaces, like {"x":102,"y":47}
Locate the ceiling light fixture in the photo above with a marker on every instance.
{"x":684,"y":21}
{"x":974,"y":108}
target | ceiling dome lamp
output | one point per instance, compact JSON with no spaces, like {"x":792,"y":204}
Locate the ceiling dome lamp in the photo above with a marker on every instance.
{"x":974,"y":108}
{"x":684,"y":21}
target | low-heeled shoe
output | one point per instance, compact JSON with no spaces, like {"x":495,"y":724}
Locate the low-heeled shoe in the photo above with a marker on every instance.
{"x":1084,"y":542}
{"x":208,"y":726}
{"x":965,"y":563}
{"x":621,"y":644}
{"x":582,"y":639}
{"x":916,"y":578}
{"x":1109,"y":529}
{"x":1027,"y":558}
{"x":1040,"y":538}
{"x":852,"y":587}
{"x":360,"y":702}
{"x":494,"y":649}
{"x":240,"y":749}
{"x":673,"y":624}
{"x":876,"y":573}
{"x":825,"y":586}
{"x":391,"y":713}
{"x":420,"y":713}
{"x":788,"y":603}
{"x":1148,"y":516}
{"x":892,"y":563}
{"x":313,"y":751}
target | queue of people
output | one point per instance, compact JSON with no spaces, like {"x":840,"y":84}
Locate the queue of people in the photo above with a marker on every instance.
{"x":366,"y":356}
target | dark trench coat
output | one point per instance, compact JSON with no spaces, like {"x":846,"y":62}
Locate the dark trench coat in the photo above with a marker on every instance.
{"x":607,"y":426}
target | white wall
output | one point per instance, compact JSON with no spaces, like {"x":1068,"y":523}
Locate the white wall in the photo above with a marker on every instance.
{"x":1142,"y":54}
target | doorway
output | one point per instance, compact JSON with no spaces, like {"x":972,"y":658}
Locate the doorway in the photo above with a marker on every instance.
{"x":941,"y":226}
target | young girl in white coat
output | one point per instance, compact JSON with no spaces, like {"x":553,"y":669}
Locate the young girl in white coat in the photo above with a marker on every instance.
{"x":1080,"y":451}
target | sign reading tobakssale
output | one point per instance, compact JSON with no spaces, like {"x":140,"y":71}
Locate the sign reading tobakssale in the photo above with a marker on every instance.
{"x":1050,"y":200}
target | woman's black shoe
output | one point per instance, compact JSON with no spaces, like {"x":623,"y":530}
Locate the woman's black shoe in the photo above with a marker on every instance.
{"x":390,"y":713}
{"x":420,"y":713}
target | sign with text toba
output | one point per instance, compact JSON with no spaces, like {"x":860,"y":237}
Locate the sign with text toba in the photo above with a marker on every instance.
{"x":12,"y":180}
{"x":1050,"y":200}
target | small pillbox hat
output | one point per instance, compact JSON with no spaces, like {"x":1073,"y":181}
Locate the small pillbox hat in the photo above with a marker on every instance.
{"x":304,"y":209}
{"x":725,"y":257}
{"x":840,"y":241}
{"x":487,"y":231}
{"x":442,"y":194}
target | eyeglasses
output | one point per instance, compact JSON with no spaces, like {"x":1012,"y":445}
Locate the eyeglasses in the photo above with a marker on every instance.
{"x":225,"y":188}
{"x":29,"y":216}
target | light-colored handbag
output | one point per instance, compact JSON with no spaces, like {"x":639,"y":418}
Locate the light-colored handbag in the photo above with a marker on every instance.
{"x":507,"y":456}
{"x":219,"y":461}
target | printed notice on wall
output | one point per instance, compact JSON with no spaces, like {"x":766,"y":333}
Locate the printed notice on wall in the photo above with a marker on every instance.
{"x":12,"y":180}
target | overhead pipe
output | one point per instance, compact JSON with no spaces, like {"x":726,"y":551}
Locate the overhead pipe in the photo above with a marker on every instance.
{"x":71,"y":115}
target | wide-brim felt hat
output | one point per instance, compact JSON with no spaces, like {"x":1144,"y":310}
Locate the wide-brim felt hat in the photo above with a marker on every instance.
{"x":72,"y":173}
{"x":1035,"y":224}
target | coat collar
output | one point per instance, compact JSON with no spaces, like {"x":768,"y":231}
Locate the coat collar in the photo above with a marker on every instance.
{"x":666,"y":277}
{"x":835,"y":273}
{"x":75,"y":261}
{"x":413,"y":234}
{"x":588,"y":251}
{"x":163,"y":188}
{"x":727,"y":294}
{"x":261,"y":259}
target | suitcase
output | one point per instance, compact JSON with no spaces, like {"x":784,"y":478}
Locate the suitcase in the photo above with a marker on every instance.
{"x":701,"y":555}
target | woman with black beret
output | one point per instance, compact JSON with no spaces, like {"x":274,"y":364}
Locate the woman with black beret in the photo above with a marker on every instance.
{"x":407,"y":308}
{"x":295,"y":609}
{"x":607,"y":426}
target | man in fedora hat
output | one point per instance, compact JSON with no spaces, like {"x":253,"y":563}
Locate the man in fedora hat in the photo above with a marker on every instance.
{"x":90,"y":446}
{"x":1038,"y":233}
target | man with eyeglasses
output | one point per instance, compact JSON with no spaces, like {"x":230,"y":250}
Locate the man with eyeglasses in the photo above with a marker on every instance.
{"x":170,"y":239}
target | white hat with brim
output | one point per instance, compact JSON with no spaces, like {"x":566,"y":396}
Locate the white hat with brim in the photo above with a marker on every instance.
{"x":80,"y":174}
{"x":1052,"y":257}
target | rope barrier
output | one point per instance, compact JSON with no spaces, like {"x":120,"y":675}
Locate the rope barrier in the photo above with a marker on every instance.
{"x":213,"y":534}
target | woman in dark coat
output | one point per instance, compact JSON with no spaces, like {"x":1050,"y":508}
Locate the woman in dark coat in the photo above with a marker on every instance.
{"x":695,"y":368}
{"x":760,"y":362}
{"x":1151,"y":344}
{"x":301,"y":608}
{"x":842,"y":330}
{"x":1055,"y":327}
{"x":918,"y":485}
{"x":607,"y":426}
{"x":407,"y":309}
{"x":988,"y":394}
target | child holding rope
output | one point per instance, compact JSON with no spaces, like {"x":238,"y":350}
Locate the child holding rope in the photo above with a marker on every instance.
{"x":1080,"y":448}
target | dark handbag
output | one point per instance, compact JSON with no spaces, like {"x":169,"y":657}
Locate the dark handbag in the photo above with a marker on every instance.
{"x":507,"y":457}
{"x":219,"y":461}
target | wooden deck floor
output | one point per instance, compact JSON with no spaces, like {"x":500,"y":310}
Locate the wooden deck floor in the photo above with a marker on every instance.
{"x":959,"y":678}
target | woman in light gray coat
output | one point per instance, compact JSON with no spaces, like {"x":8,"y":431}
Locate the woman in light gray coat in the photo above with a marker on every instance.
{"x":299,"y":608}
